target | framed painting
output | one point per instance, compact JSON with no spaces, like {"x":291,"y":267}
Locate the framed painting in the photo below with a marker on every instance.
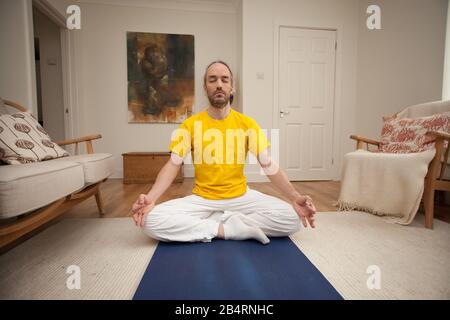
{"x":160,"y":77}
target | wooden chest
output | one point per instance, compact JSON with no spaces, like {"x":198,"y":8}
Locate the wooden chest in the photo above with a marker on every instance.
{"x":143,"y":167}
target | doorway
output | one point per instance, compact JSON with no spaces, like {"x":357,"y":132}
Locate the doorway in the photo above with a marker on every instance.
{"x":49,"y":77}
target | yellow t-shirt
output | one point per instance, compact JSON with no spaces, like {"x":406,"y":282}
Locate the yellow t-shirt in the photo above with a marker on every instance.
{"x":219,"y":150}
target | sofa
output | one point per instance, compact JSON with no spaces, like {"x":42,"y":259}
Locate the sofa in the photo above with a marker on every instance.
{"x":34,"y":191}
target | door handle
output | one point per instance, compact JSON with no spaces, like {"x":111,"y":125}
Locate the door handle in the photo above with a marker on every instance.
{"x":282,"y":113}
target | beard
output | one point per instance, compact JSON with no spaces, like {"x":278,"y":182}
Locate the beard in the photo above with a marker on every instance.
{"x":219,"y":102}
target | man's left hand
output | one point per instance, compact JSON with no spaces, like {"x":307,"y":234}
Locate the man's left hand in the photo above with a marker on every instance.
{"x":305,"y":209}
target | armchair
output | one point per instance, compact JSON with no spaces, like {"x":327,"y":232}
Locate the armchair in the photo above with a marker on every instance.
{"x":438,"y":175}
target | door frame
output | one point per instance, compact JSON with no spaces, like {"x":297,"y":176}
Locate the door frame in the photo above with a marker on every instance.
{"x":336,"y":130}
{"x":70,"y":75}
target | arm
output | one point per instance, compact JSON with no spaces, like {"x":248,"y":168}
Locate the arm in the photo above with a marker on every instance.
{"x":302,"y":204}
{"x":165,"y":177}
{"x":145,"y":202}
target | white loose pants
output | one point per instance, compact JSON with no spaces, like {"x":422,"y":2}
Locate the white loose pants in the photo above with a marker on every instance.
{"x":194,"y":218}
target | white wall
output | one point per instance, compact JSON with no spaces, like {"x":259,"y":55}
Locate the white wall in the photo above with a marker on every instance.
{"x":51,"y":75}
{"x":261,"y":20}
{"x":103,"y":65}
{"x":401,"y":64}
{"x":238,"y":105}
{"x":446,"y":82}
{"x":17,"y":66}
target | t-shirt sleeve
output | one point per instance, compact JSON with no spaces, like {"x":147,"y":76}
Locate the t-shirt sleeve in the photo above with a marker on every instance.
{"x":180,"y":142}
{"x":257,"y":139}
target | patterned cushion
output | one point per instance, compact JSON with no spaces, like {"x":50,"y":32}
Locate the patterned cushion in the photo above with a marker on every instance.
{"x":404,"y":135}
{"x":23,"y":140}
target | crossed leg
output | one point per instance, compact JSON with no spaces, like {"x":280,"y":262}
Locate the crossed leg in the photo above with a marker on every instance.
{"x":194,"y":218}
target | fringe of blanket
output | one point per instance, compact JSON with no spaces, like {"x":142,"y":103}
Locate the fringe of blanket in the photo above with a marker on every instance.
{"x":389,"y":217}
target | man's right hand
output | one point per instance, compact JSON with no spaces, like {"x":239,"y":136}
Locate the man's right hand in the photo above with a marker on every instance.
{"x":141,"y":207}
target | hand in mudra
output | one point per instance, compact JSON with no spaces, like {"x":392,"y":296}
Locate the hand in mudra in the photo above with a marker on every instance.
{"x":305,"y":209}
{"x":141,"y":207}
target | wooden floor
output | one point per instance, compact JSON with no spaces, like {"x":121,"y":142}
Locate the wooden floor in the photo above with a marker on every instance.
{"x":118,"y":197}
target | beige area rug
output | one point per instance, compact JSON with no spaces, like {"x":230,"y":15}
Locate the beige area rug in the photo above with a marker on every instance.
{"x":112,"y":254}
{"x":413,"y":262}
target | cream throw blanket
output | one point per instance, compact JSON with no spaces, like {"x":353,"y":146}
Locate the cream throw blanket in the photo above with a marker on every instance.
{"x":384,"y":184}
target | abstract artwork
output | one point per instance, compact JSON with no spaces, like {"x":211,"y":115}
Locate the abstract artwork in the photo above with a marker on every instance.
{"x":160,"y":77}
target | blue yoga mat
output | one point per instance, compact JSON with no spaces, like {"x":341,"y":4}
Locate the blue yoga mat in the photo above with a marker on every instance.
{"x":233,"y":270}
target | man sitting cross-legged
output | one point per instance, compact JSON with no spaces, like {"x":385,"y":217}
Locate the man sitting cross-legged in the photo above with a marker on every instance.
{"x":222,"y":205}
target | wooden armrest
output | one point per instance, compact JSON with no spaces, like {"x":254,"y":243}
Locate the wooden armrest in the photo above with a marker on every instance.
{"x":439,"y":134}
{"x":15,"y":105}
{"x":87,"y":139}
{"x":364,"y":139}
{"x":78,"y":140}
{"x":360,"y":140}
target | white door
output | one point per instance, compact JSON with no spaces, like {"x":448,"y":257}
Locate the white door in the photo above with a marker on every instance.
{"x":306,"y":101}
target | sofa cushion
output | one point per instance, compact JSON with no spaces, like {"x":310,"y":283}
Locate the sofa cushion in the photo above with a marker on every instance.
{"x":96,"y":166}
{"x":23,"y":140}
{"x":28,"y":187}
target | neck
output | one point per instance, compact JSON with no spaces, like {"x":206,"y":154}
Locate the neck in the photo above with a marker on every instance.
{"x":219,"y":114}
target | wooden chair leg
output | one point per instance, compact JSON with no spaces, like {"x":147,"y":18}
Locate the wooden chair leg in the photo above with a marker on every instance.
{"x":430,"y":184}
{"x":428,"y":204}
{"x":98,"y":199}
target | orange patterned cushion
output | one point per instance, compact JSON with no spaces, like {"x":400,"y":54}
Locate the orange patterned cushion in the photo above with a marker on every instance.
{"x":23,"y":140}
{"x":403,"y":135}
